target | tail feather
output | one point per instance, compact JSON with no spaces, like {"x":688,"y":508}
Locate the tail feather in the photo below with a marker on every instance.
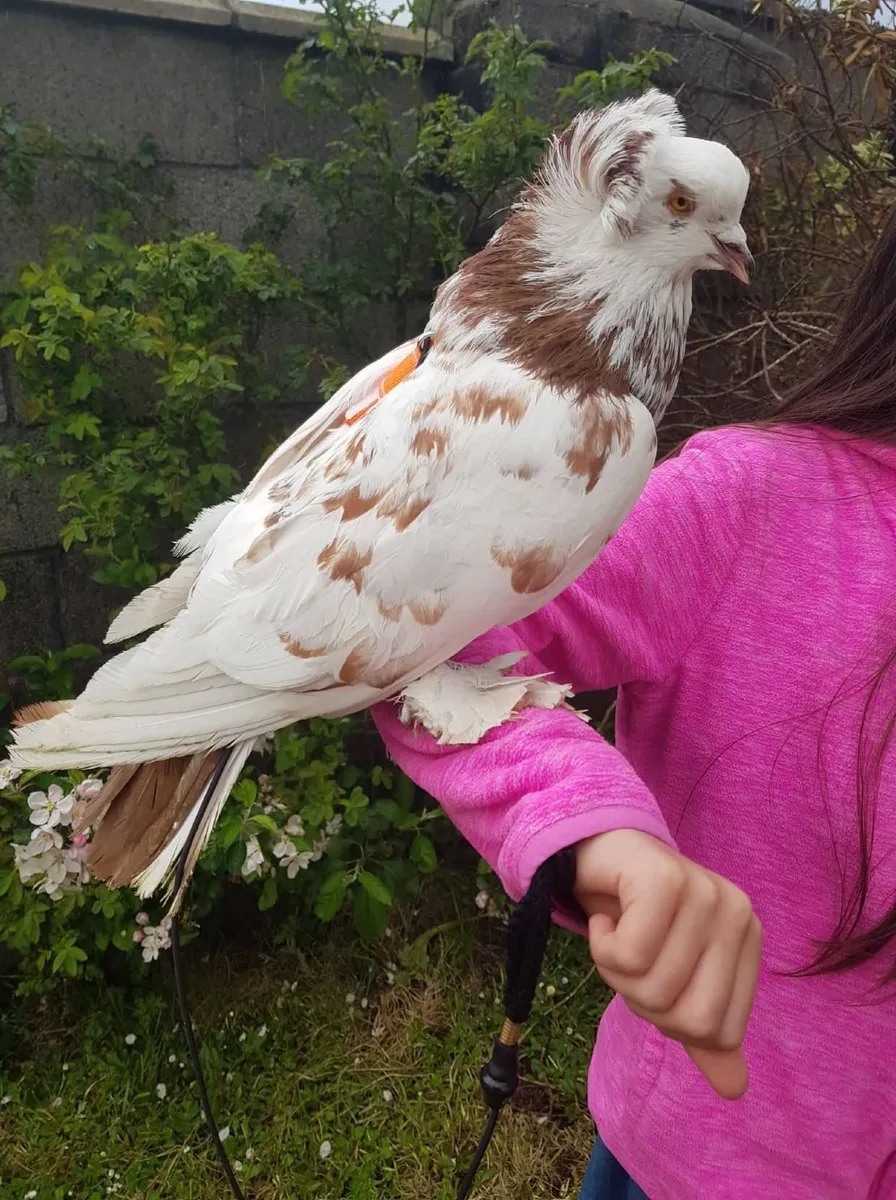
{"x":145,"y":814}
{"x":42,"y":711}
{"x":96,"y":809}
{"x":161,"y":869}
{"x":146,"y":805}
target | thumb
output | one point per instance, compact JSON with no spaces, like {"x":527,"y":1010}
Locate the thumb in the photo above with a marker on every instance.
{"x":599,"y":925}
{"x":724,"y":1070}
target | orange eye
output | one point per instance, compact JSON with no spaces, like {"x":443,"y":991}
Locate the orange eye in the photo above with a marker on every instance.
{"x":680,"y":202}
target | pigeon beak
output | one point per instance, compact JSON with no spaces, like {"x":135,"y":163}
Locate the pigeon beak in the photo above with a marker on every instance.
{"x":734,"y":257}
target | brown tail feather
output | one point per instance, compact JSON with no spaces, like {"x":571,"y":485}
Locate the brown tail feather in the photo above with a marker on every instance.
{"x":41,"y":711}
{"x":140,"y":808}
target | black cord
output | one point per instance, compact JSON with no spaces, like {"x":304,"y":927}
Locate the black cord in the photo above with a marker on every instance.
{"x":527,"y":938}
{"x":181,"y":987}
{"x":466,"y":1183}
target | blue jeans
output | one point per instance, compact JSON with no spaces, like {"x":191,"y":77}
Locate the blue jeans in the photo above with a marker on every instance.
{"x":605,"y":1179}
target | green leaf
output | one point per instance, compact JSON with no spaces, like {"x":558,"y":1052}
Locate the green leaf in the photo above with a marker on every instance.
{"x":2,"y":590}
{"x":371,"y":917}
{"x":331,"y":896}
{"x":229,"y":828}
{"x":68,"y":959}
{"x":268,"y":897}
{"x":375,"y":888}
{"x":81,"y":425}
{"x":84,"y":382}
{"x":245,"y":790}
{"x":423,"y":854}
{"x":81,"y":653}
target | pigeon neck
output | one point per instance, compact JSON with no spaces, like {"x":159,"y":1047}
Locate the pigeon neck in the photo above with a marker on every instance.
{"x":610,"y":330}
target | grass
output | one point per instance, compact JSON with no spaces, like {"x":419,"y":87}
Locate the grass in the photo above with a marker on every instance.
{"x":102,"y":1102}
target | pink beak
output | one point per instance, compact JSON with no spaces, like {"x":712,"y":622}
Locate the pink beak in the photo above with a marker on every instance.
{"x":735,"y":258}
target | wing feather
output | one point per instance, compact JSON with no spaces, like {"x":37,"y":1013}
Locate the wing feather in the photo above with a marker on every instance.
{"x":367,"y":554}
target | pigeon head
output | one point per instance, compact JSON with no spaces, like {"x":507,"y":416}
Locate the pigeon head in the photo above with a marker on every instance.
{"x":626,"y":182}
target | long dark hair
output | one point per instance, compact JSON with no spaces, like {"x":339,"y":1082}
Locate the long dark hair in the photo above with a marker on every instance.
{"x":854,"y":391}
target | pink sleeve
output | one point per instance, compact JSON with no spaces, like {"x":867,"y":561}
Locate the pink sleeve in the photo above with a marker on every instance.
{"x":548,"y":780}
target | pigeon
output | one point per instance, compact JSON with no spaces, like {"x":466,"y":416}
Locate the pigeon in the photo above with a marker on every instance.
{"x":459,"y":483}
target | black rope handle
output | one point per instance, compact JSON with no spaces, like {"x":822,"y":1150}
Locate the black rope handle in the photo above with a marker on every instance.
{"x":527,"y":940}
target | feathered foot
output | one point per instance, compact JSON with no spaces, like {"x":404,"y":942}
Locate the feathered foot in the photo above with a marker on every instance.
{"x":458,"y":705}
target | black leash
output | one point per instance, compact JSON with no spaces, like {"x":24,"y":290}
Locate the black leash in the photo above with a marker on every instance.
{"x":180,"y":986}
{"x":527,"y":938}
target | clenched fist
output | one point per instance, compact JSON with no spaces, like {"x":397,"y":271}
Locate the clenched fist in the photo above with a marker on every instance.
{"x":679,"y":944}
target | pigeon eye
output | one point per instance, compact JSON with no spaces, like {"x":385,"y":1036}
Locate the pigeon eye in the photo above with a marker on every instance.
{"x":680,"y":202}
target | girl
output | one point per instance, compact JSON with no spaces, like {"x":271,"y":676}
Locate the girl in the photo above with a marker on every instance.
{"x":747,"y":613}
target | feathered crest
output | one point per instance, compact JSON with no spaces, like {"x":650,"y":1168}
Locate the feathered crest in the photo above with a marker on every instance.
{"x":604,"y":153}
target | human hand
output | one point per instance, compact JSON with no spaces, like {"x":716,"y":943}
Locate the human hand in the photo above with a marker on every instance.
{"x":678,"y":943}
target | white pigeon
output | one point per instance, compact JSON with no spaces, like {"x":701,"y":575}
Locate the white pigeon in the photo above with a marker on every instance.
{"x":459,"y":483}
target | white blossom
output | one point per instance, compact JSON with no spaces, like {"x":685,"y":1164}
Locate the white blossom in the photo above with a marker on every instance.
{"x":301,"y":862}
{"x":334,"y":824}
{"x":155,"y":938}
{"x":50,"y":808}
{"x":130,"y":1038}
{"x":482,"y":899}
{"x":284,"y":850}
{"x":224,"y":1133}
{"x":89,"y":789}
{"x":325,"y":1151}
{"x":387,"y":1095}
{"x":295,"y":826}
{"x":54,"y":877}
{"x":8,"y":774}
{"x":47,"y":865}
{"x":161,"y":1091}
{"x":75,"y":865}
{"x":255,"y":859}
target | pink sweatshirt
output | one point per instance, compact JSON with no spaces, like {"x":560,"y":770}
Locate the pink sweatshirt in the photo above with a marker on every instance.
{"x":741,"y":610}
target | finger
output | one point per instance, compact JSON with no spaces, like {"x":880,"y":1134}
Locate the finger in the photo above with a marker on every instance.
{"x":647,"y":914}
{"x":660,"y":989}
{"x":601,"y":902}
{"x":599,"y":925}
{"x":734,"y":1024}
{"x":702,"y":1006}
{"x":724,"y":1070}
